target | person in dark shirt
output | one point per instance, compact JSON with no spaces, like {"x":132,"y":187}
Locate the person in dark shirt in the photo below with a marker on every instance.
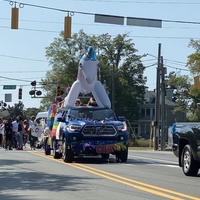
{"x":8,"y":134}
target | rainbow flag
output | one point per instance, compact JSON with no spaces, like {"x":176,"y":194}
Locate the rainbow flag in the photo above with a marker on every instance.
{"x":51,"y":115}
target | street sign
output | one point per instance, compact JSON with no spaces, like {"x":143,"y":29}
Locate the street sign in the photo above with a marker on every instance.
{"x":133,"y":21}
{"x":9,"y":87}
{"x":109,"y":19}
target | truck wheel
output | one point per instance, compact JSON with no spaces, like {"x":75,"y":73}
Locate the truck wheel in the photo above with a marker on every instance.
{"x":122,"y":156}
{"x":67,"y":154}
{"x":190,"y":166}
{"x":105,"y":156}
{"x":47,"y":149}
{"x":55,"y":154}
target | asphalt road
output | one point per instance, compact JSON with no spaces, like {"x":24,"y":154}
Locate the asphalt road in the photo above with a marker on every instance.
{"x":146,"y":175}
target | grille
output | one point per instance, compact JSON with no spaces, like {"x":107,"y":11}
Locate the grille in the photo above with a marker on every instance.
{"x":99,"y":130}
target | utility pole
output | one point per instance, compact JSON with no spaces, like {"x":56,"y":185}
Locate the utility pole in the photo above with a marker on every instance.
{"x":157,"y":106}
{"x":163,"y":72}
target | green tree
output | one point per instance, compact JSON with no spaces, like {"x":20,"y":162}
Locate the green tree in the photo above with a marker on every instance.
{"x":193,"y":64}
{"x":181,"y":86}
{"x":16,"y":110}
{"x":32,"y":111}
{"x":119,"y":64}
{"x":118,"y":56}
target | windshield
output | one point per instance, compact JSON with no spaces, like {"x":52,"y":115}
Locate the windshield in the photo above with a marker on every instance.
{"x":95,"y":114}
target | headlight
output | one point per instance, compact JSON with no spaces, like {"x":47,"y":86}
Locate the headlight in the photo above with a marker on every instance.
{"x":74,"y":128}
{"x":122,"y":127}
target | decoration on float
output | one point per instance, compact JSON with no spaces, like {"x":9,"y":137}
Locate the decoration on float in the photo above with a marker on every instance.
{"x":87,"y":82}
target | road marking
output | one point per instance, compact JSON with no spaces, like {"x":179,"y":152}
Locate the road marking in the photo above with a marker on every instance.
{"x":163,"y":165}
{"x":157,"y":160}
{"x":123,"y":180}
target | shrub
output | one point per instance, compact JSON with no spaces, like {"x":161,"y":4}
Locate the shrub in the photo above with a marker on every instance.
{"x":133,"y":142}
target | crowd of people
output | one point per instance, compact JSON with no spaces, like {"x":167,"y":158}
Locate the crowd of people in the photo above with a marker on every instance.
{"x":17,"y":132}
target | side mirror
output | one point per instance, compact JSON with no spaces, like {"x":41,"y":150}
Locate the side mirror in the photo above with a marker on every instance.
{"x":61,"y":119}
{"x":121,"y":118}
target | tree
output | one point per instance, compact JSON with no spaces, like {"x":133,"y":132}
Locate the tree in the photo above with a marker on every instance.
{"x":119,"y":54}
{"x":181,"y":86}
{"x":16,"y":110}
{"x":119,"y":64}
{"x":193,"y":64}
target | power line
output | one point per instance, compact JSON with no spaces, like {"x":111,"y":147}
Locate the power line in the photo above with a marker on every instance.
{"x":134,"y":36}
{"x":15,"y":57}
{"x":78,"y":24}
{"x":20,"y":72}
{"x":143,"y":2}
{"x":187,"y":70}
{"x":72,"y":12}
{"x":15,"y":79}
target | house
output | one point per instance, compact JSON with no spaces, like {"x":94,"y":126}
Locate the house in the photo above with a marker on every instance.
{"x":143,"y":126}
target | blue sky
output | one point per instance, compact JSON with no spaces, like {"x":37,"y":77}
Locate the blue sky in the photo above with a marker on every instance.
{"x":22,"y":51}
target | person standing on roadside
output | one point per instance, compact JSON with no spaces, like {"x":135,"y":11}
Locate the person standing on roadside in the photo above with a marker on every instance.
{"x":26,"y":126}
{"x":20,"y":133}
{"x":1,"y":132}
{"x":14,"y":133}
{"x":32,"y":125}
{"x":8,"y":134}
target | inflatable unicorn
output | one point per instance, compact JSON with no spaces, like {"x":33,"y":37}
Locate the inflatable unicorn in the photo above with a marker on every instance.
{"x":87,"y":82}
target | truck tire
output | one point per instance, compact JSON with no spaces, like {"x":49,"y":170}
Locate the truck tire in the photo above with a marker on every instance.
{"x":122,"y":156}
{"x":56,"y":154}
{"x":190,"y":166}
{"x":47,"y":148}
{"x":67,"y":154}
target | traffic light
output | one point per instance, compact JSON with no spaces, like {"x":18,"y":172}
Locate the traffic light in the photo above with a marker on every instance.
{"x":20,"y":93}
{"x":15,"y":18}
{"x":67,"y":27}
{"x":38,"y":93}
{"x":32,"y":92}
{"x":33,"y":83}
{"x":58,"y":91}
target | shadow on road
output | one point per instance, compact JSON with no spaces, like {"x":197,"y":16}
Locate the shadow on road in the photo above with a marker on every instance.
{"x":14,"y":176}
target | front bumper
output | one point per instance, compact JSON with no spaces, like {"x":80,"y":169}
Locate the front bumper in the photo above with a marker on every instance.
{"x":175,"y":150}
{"x":98,"y":147}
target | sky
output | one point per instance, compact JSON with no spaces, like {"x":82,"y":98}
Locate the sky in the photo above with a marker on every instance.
{"x":22,"y":51}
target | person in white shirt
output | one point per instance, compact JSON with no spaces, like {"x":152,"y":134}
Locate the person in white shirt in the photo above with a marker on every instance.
{"x":15,"y":131}
{"x":32,"y":125}
{"x":1,"y":132}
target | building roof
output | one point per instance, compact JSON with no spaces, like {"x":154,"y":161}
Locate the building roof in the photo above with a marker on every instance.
{"x":149,"y":95}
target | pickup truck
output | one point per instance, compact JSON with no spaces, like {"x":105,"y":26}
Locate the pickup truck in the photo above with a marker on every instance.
{"x":93,"y":131}
{"x":186,"y":146}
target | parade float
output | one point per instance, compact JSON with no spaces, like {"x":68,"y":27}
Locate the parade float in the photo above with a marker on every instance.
{"x":87,"y":130}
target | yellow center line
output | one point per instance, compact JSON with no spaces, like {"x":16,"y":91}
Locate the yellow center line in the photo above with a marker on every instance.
{"x":126,"y":181}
